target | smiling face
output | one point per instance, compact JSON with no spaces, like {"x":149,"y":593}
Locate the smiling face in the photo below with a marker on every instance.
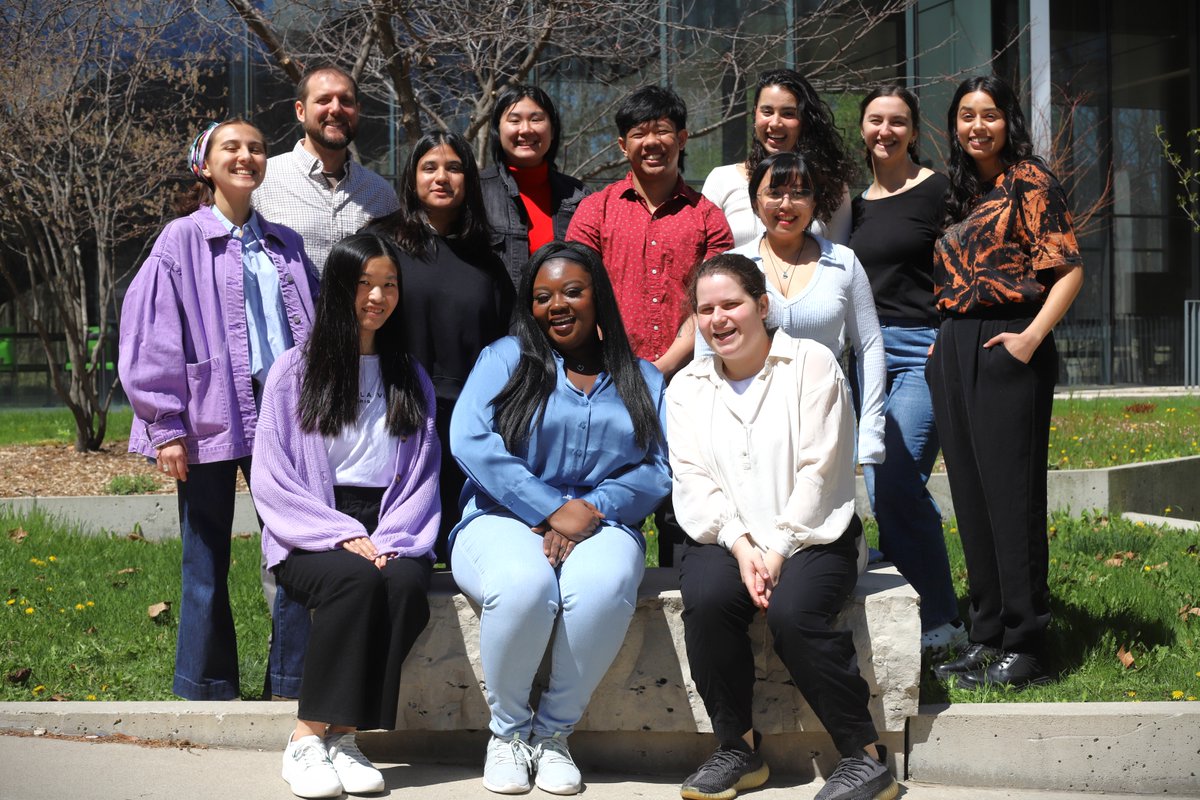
{"x":564,"y":307}
{"x":440,"y":182}
{"x":236,"y":161}
{"x":777,"y":121}
{"x":525,"y":133}
{"x":329,"y":111}
{"x":982,"y":132}
{"x":731,"y":322}
{"x":376,"y":298}
{"x":785,"y":210}
{"x":887,"y":129}
{"x":653,"y":148}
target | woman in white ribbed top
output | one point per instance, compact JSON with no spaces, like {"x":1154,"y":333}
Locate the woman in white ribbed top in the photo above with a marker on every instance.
{"x":789,"y":117}
{"x":818,"y":290}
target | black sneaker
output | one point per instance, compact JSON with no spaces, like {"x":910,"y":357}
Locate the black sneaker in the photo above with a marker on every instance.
{"x":1017,"y":670}
{"x":727,"y":771}
{"x":976,"y":656}
{"x":860,"y":777}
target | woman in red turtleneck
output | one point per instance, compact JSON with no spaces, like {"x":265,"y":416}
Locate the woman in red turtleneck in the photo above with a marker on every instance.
{"x":528,"y":201}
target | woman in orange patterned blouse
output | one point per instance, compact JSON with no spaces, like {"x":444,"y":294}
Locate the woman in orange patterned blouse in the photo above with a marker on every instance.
{"x":1005,"y":272}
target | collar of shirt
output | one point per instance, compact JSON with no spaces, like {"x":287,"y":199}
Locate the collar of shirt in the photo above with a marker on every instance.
{"x":314,"y":169}
{"x":251,"y":226}
{"x":783,"y":349}
{"x":681,"y":193}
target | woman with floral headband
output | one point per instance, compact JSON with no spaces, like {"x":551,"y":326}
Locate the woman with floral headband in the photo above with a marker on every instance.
{"x":222,"y":294}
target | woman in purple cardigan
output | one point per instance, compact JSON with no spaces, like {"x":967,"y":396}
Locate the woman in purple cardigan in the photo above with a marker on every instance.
{"x":345,"y":478}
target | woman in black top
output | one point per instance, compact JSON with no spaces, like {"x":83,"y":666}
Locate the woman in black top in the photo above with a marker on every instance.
{"x":895,"y":224}
{"x":528,"y":201}
{"x":457,"y":297}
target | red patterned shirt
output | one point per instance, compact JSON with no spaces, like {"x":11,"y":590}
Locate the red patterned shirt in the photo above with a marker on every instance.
{"x":650,"y":257}
{"x":1005,"y":249}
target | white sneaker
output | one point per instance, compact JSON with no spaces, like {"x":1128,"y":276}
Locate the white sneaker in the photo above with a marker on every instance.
{"x":556,"y":770}
{"x":939,"y":641}
{"x":357,"y":774}
{"x":307,"y":768}
{"x":506,"y":770}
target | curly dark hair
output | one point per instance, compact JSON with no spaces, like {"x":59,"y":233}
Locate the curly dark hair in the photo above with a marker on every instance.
{"x":965,"y":183}
{"x":820,"y":141}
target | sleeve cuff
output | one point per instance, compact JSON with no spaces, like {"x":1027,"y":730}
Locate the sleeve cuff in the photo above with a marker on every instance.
{"x":167,"y":429}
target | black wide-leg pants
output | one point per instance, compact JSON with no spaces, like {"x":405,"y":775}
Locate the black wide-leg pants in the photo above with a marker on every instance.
{"x":814,"y":585}
{"x":993,"y":419}
{"x":364,"y":623}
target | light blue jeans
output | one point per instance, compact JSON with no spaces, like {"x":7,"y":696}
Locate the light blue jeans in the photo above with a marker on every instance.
{"x":910,"y":523}
{"x":586,"y":604}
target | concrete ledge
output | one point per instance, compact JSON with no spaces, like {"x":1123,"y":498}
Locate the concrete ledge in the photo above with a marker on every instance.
{"x":648,"y":688}
{"x":1146,"y":488}
{"x":1145,"y":748}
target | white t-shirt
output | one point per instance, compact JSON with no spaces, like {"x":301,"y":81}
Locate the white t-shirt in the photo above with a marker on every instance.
{"x":364,"y":454}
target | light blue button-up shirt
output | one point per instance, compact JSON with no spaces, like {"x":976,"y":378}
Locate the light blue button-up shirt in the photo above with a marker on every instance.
{"x":584,"y":447}
{"x":266,"y":319}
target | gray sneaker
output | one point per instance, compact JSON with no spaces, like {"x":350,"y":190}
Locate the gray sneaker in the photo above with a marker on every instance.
{"x":506,"y":770}
{"x":726,"y":772}
{"x":555,"y":770}
{"x":860,"y":777}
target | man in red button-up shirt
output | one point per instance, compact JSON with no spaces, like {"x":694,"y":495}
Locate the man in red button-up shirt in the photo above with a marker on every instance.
{"x":652,"y":229}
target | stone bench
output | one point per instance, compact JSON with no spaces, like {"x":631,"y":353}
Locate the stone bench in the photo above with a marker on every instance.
{"x":646,"y":715}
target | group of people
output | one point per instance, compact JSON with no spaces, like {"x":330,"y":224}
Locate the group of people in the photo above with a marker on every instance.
{"x":507,"y":373}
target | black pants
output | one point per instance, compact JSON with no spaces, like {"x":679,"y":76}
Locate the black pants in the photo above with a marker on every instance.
{"x":364,"y":622}
{"x":813,"y":587}
{"x":993,"y":417}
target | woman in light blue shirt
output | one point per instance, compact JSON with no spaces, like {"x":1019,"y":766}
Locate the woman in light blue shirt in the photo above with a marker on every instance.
{"x":559,"y":431}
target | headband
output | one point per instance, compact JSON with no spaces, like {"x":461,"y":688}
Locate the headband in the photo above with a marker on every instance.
{"x":198,"y":149}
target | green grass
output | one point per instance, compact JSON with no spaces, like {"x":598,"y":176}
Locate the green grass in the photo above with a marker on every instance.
{"x":132,"y":484}
{"x":1109,"y":431}
{"x":1100,"y":606}
{"x":54,"y":425}
{"x":75,"y":613}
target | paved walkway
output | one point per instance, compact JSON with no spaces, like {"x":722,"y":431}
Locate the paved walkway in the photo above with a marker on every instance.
{"x":41,"y":769}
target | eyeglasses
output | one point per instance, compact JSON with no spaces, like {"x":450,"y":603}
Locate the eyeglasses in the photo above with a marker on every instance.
{"x":774,"y":197}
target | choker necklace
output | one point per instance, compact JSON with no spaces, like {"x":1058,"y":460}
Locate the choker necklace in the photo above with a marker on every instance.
{"x":581,"y":367}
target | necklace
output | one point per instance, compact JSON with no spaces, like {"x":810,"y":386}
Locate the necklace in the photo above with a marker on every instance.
{"x":783,"y":273}
{"x":582,"y":367}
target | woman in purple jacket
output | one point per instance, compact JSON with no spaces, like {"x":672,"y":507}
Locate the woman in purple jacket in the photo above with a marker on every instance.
{"x":346,"y":467}
{"x":222,"y":294}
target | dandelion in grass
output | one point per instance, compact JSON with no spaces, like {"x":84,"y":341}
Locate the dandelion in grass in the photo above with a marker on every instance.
{"x":11,"y":601}
{"x":1131,"y":693}
{"x":1176,"y":695}
{"x":29,"y":610}
{"x":52,"y":558}
{"x":90,"y":604}
{"x":91,"y":697}
{"x":38,"y":690}
{"x":79,"y":606}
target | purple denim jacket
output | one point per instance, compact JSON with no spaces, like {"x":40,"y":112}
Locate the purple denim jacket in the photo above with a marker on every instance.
{"x":292,"y":483}
{"x":184,"y":353}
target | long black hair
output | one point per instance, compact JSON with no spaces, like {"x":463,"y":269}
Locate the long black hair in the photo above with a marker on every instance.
{"x":965,"y":184}
{"x":914,"y":114}
{"x":509,"y":96}
{"x":329,"y":389}
{"x":409,"y":226}
{"x":820,"y":141}
{"x":522,"y":401}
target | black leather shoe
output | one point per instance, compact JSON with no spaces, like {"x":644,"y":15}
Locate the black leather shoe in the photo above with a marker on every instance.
{"x":975,"y":657}
{"x":1017,"y":670}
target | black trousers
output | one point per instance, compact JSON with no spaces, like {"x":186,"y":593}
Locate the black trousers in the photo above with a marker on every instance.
{"x":993,"y":418}
{"x":814,"y":585}
{"x":364,"y":623}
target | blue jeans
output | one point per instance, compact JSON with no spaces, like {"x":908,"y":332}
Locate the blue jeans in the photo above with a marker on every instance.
{"x":586,"y":604}
{"x":206,"y":659}
{"x":910,"y":523}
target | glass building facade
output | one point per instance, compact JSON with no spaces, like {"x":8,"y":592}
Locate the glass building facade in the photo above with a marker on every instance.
{"x":1098,"y":77}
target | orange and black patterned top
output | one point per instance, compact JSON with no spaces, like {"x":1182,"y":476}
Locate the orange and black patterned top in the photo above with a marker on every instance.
{"x":1006,"y":248}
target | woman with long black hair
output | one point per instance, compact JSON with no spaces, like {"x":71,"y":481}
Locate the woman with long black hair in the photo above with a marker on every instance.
{"x":457,"y":294}
{"x":529,"y":201}
{"x":559,"y":430}
{"x":789,"y":117}
{"x":345,"y":480}
{"x":1005,"y":272}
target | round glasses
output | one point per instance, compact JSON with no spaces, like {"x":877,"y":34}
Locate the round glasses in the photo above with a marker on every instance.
{"x":773,"y":197}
